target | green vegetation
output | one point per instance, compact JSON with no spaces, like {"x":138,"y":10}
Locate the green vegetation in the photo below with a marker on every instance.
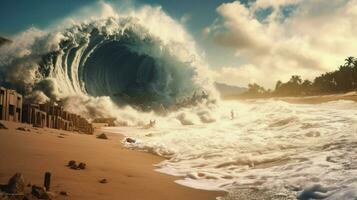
{"x":342,"y":80}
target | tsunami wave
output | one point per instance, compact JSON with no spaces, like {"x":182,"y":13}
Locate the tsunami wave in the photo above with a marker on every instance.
{"x":143,"y":59}
{"x":119,"y":64}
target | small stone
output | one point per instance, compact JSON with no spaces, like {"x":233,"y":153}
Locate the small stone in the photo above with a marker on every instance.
{"x":40,"y":192}
{"x":82,"y":165}
{"x":102,"y":136}
{"x":16,"y":184}
{"x":21,"y":129}
{"x":71,"y":163}
{"x":130,"y":140}
{"x":75,"y":166}
{"x":63,"y":193}
{"x":103,"y":181}
{"x":2,"y":126}
{"x":29,"y":197}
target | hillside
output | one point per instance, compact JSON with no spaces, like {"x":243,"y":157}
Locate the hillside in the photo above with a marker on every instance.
{"x":229,"y":90}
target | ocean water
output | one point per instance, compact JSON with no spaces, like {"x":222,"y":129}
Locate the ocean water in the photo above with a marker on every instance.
{"x":141,"y":58}
{"x":299,"y":151}
{"x":105,"y":63}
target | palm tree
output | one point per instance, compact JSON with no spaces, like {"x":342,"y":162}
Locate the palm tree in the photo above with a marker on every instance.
{"x":354,"y":74}
{"x":349,"y":61}
{"x":354,"y":63}
{"x":295,"y":80}
{"x":255,"y":88}
{"x":306,"y":83}
{"x":278,"y":85}
{"x":306,"y":87}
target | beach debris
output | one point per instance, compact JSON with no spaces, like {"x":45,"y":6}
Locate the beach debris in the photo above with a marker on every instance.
{"x":60,"y":136}
{"x":40,"y":192}
{"x":3,"y":196}
{"x":102,"y":136}
{"x":16,"y":184}
{"x":2,"y":126}
{"x":47,"y":181}
{"x":21,"y":129}
{"x":130,"y":140}
{"x":64,"y":193}
{"x":103,"y":181}
{"x":16,"y":189}
{"x":82,"y":165}
{"x":315,"y":191}
{"x":73,"y":165}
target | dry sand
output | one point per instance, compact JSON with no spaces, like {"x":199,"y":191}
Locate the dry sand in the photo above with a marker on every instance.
{"x":350,"y":96}
{"x":130,"y":174}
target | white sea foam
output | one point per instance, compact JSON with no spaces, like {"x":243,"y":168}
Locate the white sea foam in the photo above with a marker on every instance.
{"x":102,"y":62}
{"x":269,"y":144}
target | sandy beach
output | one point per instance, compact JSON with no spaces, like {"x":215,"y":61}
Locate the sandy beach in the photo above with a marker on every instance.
{"x":351,"y":96}
{"x":130,"y":174}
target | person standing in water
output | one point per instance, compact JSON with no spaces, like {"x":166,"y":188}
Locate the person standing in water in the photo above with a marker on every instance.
{"x":232,"y":114}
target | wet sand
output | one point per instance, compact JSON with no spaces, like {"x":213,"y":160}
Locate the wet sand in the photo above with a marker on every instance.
{"x":130,"y":174}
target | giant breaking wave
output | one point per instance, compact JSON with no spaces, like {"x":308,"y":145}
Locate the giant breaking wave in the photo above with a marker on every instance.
{"x":143,"y":59}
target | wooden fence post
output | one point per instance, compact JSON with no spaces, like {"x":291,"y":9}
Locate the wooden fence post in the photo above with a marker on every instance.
{"x":47,"y":181}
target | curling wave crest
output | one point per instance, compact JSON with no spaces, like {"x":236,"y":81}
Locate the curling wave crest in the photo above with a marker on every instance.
{"x":141,"y":58}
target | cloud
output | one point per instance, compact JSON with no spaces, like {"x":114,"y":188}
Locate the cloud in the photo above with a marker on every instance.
{"x":229,"y":75}
{"x":314,"y":38}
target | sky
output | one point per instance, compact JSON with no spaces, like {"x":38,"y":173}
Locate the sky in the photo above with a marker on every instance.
{"x":244,"y":41}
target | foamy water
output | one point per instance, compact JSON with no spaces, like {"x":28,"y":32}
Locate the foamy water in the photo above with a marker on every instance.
{"x":269,"y":144}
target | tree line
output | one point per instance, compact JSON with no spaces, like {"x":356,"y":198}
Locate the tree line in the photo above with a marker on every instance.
{"x":344,"y":79}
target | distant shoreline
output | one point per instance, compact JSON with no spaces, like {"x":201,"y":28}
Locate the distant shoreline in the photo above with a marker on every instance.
{"x":317,"y":99}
